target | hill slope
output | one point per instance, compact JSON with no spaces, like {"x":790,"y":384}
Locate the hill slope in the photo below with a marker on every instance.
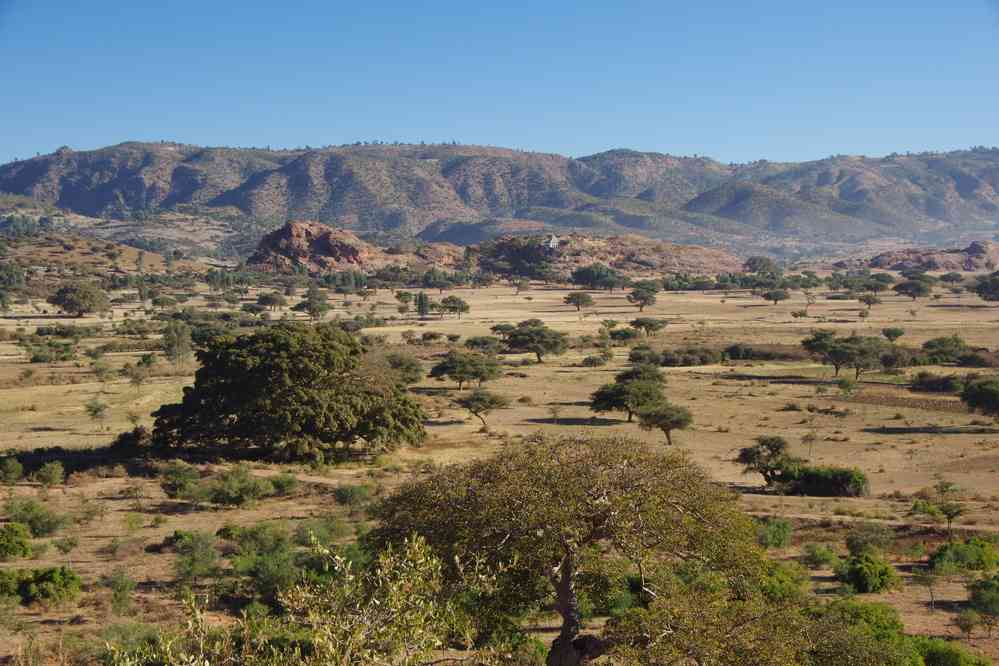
{"x":469,"y":192}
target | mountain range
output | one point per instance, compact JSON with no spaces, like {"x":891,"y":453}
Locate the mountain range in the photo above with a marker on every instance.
{"x":464,"y":194}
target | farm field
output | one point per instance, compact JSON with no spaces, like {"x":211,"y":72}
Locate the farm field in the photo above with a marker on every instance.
{"x":906,"y":442}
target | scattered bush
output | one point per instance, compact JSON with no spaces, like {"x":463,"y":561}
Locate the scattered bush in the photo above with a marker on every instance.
{"x":868,"y":572}
{"x":178,"y":479}
{"x":51,"y":474}
{"x":325,"y":529}
{"x":237,"y":487}
{"x":121,"y":587}
{"x":352,"y":495}
{"x":819,"y":556}
{"x":593,"y":362}
{"x":868,"y":537}
{"x":934,"y":383}
{"x":773,"y":533}
{"x":691,"y":356}
{"x":196,"y":556}
{"x":284,"y":484}
{"x":52,"y":585}
{"x":15,"y":541}
{"x":826,"y":481}
{"x":41,"y":520}
{"x":975,"y":554}
{"x":11,"y":470}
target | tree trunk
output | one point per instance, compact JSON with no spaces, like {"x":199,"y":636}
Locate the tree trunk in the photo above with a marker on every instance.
{"x":669,"y":437}
{"x":569,"y":648}
{"x":630,"y":414}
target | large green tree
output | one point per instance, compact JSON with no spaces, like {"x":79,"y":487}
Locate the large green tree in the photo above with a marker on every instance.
{"x":290,"y":389}
{"x":80,"y":299}
{"x":555,"y":514}
{"x":534,"y":337}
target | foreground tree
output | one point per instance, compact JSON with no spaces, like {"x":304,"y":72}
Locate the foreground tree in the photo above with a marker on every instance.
{"x":542,"y":512}
{"x":80,"y":299}
{"x":290,"y":390}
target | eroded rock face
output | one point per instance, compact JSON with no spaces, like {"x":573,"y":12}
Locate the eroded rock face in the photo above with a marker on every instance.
{"x":319,"y":248}
{"x":978,"y":256}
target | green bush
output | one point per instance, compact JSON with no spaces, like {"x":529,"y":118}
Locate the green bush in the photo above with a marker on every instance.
{"x":121,"y":587}
{"x":868,"y":572}
{"x":773,"y":533}
{"x":15,"y":541}
{"x":934,"y":383}
{"x":939,"y":652}
{"x":284,"y":484}
{"x":178,"y":479}
{"x":645,"y":354}
{"x":352,"y":495}
{"x":975,"y":554}
{"x":826,"y":481}
{"x":691,"y":356}
{"x":51,"y":474}
{"x":41,"y":520}
{"x":237,"y":487}
{"x":819,"y":556}
{"x":52,"y":585}
{"x":326,"y":530}
{"x":11,"y":470}
{"x":196,"y":556}
{"x":593,"y":362}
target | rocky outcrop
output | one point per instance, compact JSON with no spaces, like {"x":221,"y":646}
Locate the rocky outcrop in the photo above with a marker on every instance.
{"x":978,"y":256}
{"x":319,"y":248}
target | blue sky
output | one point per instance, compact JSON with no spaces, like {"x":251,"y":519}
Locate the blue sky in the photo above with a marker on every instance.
{"x":739,"y":80}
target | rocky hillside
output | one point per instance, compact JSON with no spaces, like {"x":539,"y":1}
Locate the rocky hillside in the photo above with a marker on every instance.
{"x":466,"y":193}
{"x":977,"y":257}
{"x":318,"y":248}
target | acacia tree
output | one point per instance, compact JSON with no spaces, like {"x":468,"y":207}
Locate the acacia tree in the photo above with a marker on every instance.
{"x":642,"y":297}
{"x":534,"y":337}
{"x":776,"y":295}
{"x":462,"y":367}
{"x":913,"y":289}
{"x":481,"y":402}
{"x":290,"y":389}
{"x":626,"y":396}
{"x":982,"y":396}
{"x":666,"y":417}
{"x":578,"y":300}
{"x":543,"y":512}
{"x":454,"y":305}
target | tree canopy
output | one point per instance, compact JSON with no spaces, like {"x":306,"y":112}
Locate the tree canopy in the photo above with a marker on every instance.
{"x":534,"y":337}
{"x":80,"y":299}
{"x":290,"y":389}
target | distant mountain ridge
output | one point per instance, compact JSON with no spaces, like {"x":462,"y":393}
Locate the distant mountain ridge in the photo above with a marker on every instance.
{"x":466,"y":193}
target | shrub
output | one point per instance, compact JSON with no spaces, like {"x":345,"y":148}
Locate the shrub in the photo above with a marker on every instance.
{"x":975,"y":554}
{"x":15,"y":541}
{"x":826,"y":481}
{"x":819,"y":556}
{"x":41,"y":520}
{"x":645,"y":355}
{"x":868,"y":537}
{"x":352,"y":495}
{"x":236,"y":487}
{"x":11,"y":470}
{"x":196,"y":556}
{"x":939,"y":652}
{"x":691,"y":356}
{"x":977,"y":359}
{"x":178,"y":479}
{"x":934,"y":383}
{"x":53,"y":585}
{"x":593,"y":362}
{"x":284,"y":484}
{"x":868,"y":572}
{"x":325,"y":529}
{"x":773,"y":533}
{"x":121,"y":587}
{"x":51,"y":474}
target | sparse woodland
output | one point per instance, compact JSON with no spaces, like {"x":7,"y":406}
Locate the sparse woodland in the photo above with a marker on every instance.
{"x":495,"y":463}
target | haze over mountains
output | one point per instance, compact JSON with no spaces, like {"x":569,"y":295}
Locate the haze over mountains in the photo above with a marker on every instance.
{"x":465,"y":193}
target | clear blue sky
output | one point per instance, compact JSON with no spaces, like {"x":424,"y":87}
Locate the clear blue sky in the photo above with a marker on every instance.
{"x":737,"y":80}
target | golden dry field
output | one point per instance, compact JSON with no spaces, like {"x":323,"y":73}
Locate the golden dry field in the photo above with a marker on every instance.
{"x":904,"y":441}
